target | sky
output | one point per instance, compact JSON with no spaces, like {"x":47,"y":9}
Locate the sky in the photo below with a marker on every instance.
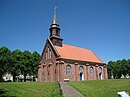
{"x":102,"y":26}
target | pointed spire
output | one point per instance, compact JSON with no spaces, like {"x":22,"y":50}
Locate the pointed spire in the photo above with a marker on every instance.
{"x":54,"y":21}
{"x":55,"y":31}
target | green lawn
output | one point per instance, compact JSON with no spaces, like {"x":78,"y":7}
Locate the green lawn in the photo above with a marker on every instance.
{"x":29,"y":89}
{"x":102,"y":88}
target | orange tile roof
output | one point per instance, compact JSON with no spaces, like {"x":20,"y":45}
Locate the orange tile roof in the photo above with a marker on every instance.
{"x":77,"y":53}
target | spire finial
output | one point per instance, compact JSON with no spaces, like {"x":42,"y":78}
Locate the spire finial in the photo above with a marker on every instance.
{"x":55,"y":13}
{"x":54,"y":18}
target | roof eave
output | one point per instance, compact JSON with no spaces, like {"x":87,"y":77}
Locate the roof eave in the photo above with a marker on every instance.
{"x":59,"y":58}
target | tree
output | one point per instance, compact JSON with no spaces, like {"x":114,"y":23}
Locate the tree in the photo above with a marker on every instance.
{"x":25,"y":63}
{"x":4,"y":60}
{"x":116,"y":69}
{"x":128,"y":66}
{"x":110,"y":69}
{"x":34,"y":63}
{"x":124,"y":70}
{"x":15,"y":62}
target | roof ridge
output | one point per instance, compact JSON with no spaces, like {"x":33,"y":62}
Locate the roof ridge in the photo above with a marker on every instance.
{"x":78,"y":47}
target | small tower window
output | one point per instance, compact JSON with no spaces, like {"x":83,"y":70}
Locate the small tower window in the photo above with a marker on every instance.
{"x":53,"y":31}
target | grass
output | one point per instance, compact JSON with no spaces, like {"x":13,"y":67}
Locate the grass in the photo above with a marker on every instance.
{"x":102,"y":88}
{"x":29,"y":89}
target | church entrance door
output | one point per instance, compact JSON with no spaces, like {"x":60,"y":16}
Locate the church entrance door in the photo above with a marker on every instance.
{"x":81,"y":76}
{"x":100,"y":76}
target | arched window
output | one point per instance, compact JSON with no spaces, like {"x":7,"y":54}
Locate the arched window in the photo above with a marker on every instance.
{"x":100,"y":73}
{"x":91,"y":70}
{"x":81,"y":69}
{"x":100,"y":69}
{"x":48,"y":53}
{"x":68,"y":70}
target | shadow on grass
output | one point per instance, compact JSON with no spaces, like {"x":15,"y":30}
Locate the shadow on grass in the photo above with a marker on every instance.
{"x":3,"y":93}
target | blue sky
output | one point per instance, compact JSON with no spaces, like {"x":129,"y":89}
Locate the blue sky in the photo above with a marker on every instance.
{"x":102,"y":26}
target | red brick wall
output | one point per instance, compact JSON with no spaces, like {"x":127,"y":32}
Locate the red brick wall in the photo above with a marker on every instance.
{"x":43,"y":73}
{"x":75,"y":73}
{"x":52,"y":70}
{"x":39,"y":72}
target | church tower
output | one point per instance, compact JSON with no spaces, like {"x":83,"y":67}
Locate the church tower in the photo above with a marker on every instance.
{"x":55,"y":32}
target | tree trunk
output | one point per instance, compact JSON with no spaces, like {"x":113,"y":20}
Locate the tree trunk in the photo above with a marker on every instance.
{"x":1,"y":79}
{"x":33,"y":79}
{"x":25,"y":77}
{"x":14,"y":75}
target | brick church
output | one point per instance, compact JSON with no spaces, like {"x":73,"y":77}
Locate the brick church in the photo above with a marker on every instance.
{"x":63,"y":62}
